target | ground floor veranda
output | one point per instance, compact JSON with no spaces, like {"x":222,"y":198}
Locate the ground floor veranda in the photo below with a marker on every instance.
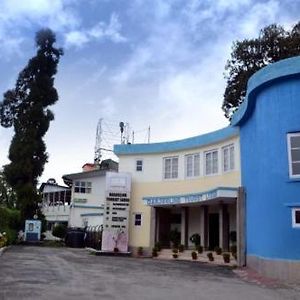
{"x":216,"y":216}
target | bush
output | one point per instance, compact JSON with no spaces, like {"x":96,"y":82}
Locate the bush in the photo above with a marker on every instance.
{"x":175,"y":251}
{"x":60,"y":231}
{"x":233,"y":249}
{"x":175,"y":255}
{"x":10,"y":223}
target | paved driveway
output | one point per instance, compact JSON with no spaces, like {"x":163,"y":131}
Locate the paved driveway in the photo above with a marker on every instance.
{"x":59,"y":273}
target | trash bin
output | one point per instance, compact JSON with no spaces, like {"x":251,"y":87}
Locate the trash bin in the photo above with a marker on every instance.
{"x":75,"y":238}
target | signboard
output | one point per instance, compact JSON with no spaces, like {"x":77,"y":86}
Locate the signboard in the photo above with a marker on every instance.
{"x":191,"y":198}
{"x":116,"y":212}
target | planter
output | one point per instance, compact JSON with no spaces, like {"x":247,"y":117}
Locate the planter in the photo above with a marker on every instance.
{"x":210,"y":256}
{"x":226,"y":257}
{"x":194,"y":255}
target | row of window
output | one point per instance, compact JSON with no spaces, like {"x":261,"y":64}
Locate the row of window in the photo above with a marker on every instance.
{"x":192,"y":163}
{"x":83,"y":187}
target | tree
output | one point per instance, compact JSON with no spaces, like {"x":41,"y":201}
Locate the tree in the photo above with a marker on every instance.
{"x":7,"y":195}
{"x":26,"y":109}
{"x":250,"y":55}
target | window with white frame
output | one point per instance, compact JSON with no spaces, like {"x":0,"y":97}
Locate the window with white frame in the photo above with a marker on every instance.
{"x":296,"y":217}
{"x":137,"y":219}
{"x":139,"y":165}
{"x":211,"y":162}
{"x":228,"y":158}
{"x":192,"y":165}
{"x":294,"y":154}
{"x":171,"y":167}
{"x":83,"y":187}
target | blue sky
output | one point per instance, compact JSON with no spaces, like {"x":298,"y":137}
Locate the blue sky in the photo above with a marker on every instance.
{"x":157,"y":63}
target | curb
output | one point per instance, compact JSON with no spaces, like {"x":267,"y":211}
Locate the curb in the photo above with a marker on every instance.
{"x":2,"y":250}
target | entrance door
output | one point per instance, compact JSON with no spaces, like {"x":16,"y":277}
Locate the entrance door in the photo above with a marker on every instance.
{"x":164,"y":227}
{"x":213,"y":226}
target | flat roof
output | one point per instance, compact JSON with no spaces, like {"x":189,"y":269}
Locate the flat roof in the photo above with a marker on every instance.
{"x":172,"y":146}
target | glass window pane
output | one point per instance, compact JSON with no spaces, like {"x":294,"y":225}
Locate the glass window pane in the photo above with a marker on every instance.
{"x":295,"y":155}
{"x":231,"y":157}
{"x":295,"y":141}
{"x":189,"y":166}
{"x":296,"y":168}
{"x":297,"y":216}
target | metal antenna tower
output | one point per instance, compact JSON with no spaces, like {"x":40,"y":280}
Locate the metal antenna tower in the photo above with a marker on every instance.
{"x":97,"y":158}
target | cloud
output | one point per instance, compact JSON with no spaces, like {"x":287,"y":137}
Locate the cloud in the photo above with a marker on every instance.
{"x":100,"y":31}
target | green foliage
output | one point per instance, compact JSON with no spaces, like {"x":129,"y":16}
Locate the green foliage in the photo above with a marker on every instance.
{"x":218,"y":250}
{"x":174,"y":237}
{"x":199,"y":249}
{"x":158,"y":246}
{"x":7,"y":195}
{"x":250,"y":55}
{"x":60,"y":231}
{"x":181,"y":248}
{"x":26,"y":109}
{"x":10,"y":223}
{"x":140,"y":251}
{"x":154,"y":252}
{"x":195,"y":239}
{"x":226,"y":257}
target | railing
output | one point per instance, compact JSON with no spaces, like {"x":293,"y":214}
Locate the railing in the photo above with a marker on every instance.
{"x":93,"y":237}
{"x":56,"y":213}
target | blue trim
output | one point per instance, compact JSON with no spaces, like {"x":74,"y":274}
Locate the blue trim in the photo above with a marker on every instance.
{"x":88,"y":206}
{"x":189,"y":143}
{"x":91,"y":214}
{"x":292,"y":204}
{"x":285,"y":68}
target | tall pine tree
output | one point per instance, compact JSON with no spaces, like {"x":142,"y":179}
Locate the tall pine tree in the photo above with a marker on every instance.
{"x":26,"y":109}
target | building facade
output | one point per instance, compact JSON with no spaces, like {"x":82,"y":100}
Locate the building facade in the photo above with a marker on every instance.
{"x":269,"y":122}
{"x":190,"y":186}
{"x":242,"y":180}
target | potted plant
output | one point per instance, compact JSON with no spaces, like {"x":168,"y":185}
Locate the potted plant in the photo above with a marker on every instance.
{"x":181,"y":248}
{"x":174,"y":237}
{"x":194,"y":255}
{"x":158,"y":246}
{"x":195,"y":239}
{"x":154,"y":252}
{"x":226,"y":257}
{"x":175,"y":253}
{"x":116,"y":250}
{"x":210,"y":256}
{"x":199,"y":249}
{"x":218,"y":250}
{"x":140,"y":251}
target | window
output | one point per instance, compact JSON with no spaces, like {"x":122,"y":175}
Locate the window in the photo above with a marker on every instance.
{"x":228,"y":158}
{"x":137,"y":219}
{"x":296,"y":217}
{"x":211,"y":162}
{"x":170,"y":167}
{"x":83,"y":187}
{"x":139,"y":165}
{"x":192,"y":165}
{"x":294,"y":154}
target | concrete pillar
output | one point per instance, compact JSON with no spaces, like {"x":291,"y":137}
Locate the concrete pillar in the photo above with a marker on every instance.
{"x":204,"y":226}
{"x":152,"y":227}
{"x":184,"y":226}
{"x":241,"y":227}
{"x":224,"y":227}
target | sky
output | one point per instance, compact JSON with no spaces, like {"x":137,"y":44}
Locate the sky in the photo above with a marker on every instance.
{"x":157,"y":63}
